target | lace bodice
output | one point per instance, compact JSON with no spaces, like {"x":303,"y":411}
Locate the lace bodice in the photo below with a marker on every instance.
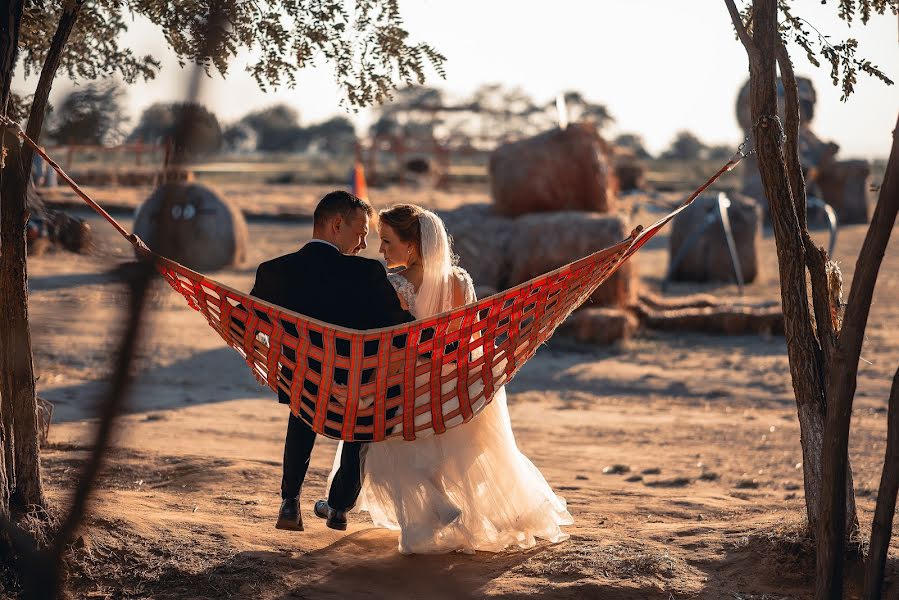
{"x":406,"y":291}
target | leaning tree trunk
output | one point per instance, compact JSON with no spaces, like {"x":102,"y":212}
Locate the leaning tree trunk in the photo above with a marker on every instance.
{"x":11,"y":11}
{"x":882,"y":526}
{"x":842,"y":379}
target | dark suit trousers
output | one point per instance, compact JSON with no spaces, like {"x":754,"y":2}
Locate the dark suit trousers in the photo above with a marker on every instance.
{"x":298,"y":450}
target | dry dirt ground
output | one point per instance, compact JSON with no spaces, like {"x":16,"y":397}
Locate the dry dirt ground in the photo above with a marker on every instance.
{"x":710,"y":506}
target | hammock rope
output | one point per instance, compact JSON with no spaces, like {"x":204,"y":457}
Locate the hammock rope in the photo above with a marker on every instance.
{"x":411,"y":380}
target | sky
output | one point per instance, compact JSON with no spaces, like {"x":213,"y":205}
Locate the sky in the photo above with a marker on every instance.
{"x":659,"y":66}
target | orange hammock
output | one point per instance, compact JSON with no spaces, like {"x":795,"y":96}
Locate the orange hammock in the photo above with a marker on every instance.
{"x":411,"y":380}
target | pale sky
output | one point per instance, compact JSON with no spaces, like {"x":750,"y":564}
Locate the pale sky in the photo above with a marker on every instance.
{"x":659,"y":66}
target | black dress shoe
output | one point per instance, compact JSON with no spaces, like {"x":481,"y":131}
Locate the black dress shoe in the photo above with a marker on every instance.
{"x":289,"y":516}
{"x":336,"y":519}
{"x":321,"y":509}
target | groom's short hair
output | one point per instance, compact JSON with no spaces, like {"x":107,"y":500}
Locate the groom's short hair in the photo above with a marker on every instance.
{"x":339,"y":203}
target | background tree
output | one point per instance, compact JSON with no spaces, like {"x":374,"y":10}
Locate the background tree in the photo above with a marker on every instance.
{"x":92,"y":114}
{"x":823,"y":342}
{"x":239,"y":137}
{"x":580,"y":109}
{"x":415,"y":111}
{"x":365,"y":43}
{"x":277,"y":128}
{"x":158,"y":124}
{"x":634,"y":142}
{"x":685,"y":146}
{"x":335,"y":136}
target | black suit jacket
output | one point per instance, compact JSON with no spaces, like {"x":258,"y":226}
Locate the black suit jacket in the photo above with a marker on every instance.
{"x":320,"y":282}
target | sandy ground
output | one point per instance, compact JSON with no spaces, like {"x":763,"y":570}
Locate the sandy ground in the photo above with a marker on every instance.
{"x":709,"y":507}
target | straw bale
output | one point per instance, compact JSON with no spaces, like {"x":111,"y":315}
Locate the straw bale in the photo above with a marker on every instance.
{"x":543,"y":242}
{"x":203,"y":230}
{"x":708,"y":259}
{"x":557,"y":170}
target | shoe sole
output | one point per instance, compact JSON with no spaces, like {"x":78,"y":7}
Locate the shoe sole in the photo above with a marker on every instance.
{"x":289,"y":526}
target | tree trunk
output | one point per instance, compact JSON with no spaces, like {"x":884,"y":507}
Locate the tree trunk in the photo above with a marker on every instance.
{"x":842,"y":378}
{"x":803,"y":350}
{"x":16,"y":368}
{"x":882,"y":526}
{"x":823,"y":300}
{"x":28,"y":490}
{"x":11,"y":11}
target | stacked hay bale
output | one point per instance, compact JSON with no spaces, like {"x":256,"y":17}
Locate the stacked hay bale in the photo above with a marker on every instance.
{"x":845,"y":185}
{"x":708,"y":257}
{"x":481,"y":241}
{"x":561,"y":169}
{"x":203,"y":230}
{"x":544,"y":242}
{"x":548,"y":194}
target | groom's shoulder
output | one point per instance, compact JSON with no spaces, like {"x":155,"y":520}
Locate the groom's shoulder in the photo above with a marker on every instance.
{"x":364,"y":265}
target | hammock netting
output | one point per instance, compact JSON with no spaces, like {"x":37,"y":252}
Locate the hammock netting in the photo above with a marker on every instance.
{"x":411,"y":380}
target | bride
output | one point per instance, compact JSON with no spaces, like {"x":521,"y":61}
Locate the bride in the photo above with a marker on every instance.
{"x":469,"y":488}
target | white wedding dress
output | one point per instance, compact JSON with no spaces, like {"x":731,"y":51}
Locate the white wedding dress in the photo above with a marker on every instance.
{"x":467,"y":489}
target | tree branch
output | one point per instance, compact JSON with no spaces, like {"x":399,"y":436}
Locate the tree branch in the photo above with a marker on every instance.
{"x":871,"y":255}
{"x":745,"y":38}
{"x":48,"y":72}
{"x":791,"y":128}
{"x":815,"y":257}
{"x":842,"y":380}
{"x":882,"y":526}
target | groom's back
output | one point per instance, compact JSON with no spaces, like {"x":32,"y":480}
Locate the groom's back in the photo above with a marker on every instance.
{"x":320,"y":282}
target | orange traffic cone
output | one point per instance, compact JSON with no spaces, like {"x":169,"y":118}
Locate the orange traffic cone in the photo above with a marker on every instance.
{"x":358,"y":186}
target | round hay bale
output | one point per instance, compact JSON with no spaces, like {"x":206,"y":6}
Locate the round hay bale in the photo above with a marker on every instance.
{"x":845,"y":185}
{"x":480,"y":239}
{"x":600,"y":326}
{"x":561,"y":169}
{"x":203,"y":230}
{"x":708,"y":258}
{"x":543,"y":242}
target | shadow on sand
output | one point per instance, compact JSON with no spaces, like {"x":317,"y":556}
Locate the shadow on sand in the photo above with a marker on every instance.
{"x":211,"y":376}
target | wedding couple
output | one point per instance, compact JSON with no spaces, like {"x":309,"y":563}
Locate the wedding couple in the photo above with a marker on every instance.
{"x":467,"y":489}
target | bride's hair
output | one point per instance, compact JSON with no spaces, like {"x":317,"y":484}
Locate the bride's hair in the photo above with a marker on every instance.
{"x":427,"y":232}
{"x":404,"y":220}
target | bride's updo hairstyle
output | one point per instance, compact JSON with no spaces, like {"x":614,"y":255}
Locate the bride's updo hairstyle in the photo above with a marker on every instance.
{"x":426,"y":231}
{"x":405,"y":220}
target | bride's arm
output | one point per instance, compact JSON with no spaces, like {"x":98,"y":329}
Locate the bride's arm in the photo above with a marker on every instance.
{"x":463,"y":294}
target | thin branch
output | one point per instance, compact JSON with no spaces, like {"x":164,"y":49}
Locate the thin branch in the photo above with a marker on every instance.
{"x":815,"y":257}
{"x":871,"y":255}
{"x":39,"y":104}
{"x":791,"y":128}
{"x":745,"y":38}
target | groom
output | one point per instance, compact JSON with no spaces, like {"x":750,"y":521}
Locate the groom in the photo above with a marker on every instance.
{"x":325,"y":280}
